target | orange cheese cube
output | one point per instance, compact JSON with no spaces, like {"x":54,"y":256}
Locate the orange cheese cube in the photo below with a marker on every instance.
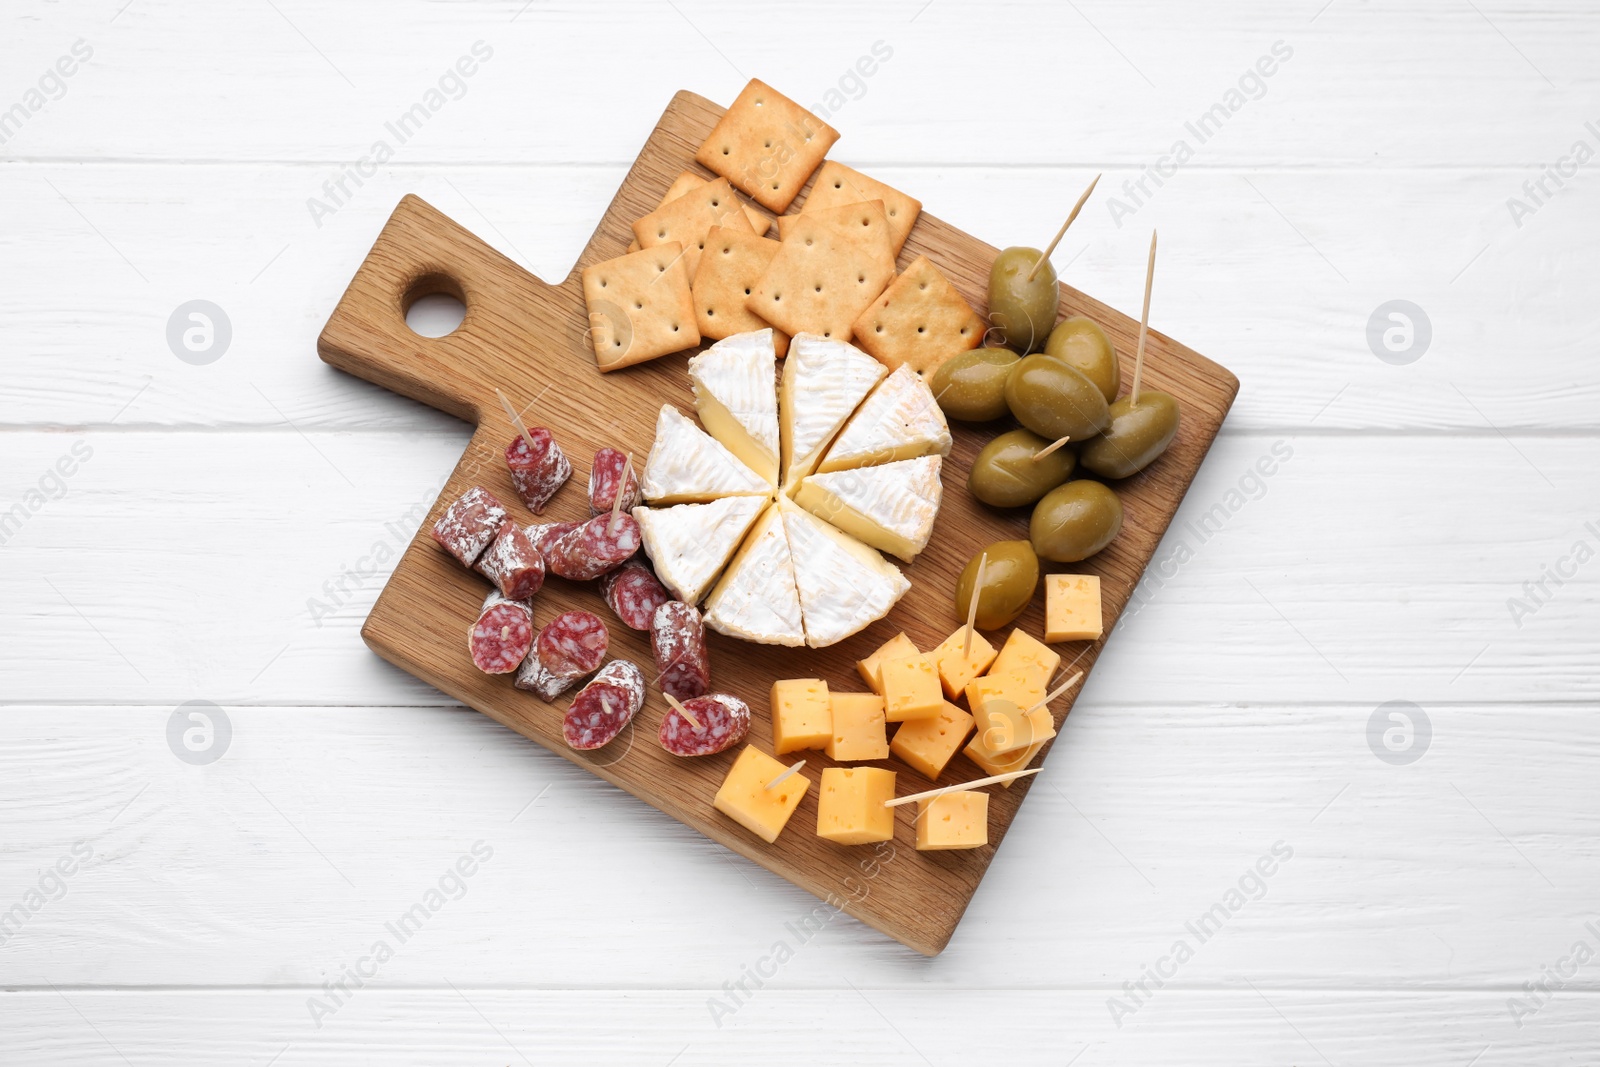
{"x":801,"y":716}
{"x":1024,"y":650}
{"x":850,"y":807}
{"x":992,"y":762}
{"x":859,"y":731}
{"x":911,"y":688}
{"x":897,"y":647}
{"x":1023,"y":687}
{"x":1072,"y":607}
{"x":745,"y":798}
{"x":953,"y":820}
{"x":956,"y":671}
{"x":927,"y":744}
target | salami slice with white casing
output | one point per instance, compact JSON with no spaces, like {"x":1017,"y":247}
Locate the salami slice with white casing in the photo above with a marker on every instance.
{"x":469,"y":524}
{"x":545,"y":534}
{"x":513,"y":564}
{"x":571,"y":646}
{"x":634,"y":593}
{"x":604,"y":707}
{"x":502,"y":636}
{"x":605,"y":478}
{"x":724,"y":720}
{"x":602,"y":544}
{"x":678,"y":640}
{"x":539,"y":471}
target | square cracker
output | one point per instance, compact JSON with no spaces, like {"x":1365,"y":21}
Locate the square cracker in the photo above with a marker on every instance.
{"x":819,"y":281}
{"x":865,"y":223}
{"x":640,"y":306}
{"x":688,"y":181}
{"x":837,"y":185}
{"x":919,"y":321}
{"x":767,"y":145}
{"x":688,"y":219}
{"x":730,"y":266}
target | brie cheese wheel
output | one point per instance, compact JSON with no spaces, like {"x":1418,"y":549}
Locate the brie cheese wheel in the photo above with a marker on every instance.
{"x":735,"y":383}
{"x":844,"y":585}
{"x":891,"y":507}
{"x":900,"y":420}
{"x":686,"y":466}
{"x":691,"y":543}
{"x":756,"y":600}
{"x":823,"y":382}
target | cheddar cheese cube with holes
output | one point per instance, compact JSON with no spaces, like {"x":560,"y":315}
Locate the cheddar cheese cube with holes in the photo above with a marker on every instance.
{"x":801,"y":716}
{"x":957,"y":670}
{"x":859,"y":732}
{"x":1023,"y":687}
{"x":897,"y":647}
{"x":953,"y":820}
{"x":1004,"y":728}
{"x":850,"y":805}
{"x":745,"y":798}
{"x":1072,"y":607}
{"x":926,"y":745}
{"x":911,"y":688}
{"x":1023,"y":649}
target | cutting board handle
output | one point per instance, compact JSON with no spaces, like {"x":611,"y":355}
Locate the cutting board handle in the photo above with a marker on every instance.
{"x":422,"y":252}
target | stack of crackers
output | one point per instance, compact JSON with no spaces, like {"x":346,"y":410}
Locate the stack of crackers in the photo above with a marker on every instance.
{"x":701,"y":267}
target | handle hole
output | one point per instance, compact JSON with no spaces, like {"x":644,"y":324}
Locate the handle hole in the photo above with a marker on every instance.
{"x":434,"y":306}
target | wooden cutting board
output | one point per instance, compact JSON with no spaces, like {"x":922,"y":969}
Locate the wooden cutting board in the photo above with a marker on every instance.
{"x":531,"y":339}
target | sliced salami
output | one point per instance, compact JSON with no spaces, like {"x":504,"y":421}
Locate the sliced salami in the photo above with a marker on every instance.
{"x":605,"y":706}
{"x":513,"y":564}
{"x":573,"y":644}
{"x":539,"y":471}
{"x":634,"y":593}
{"x":602,"y":544}
{"x":605,"y":478}
{"x":545,"y":534}
{"x":723,"y":719}
{"x":502,"y":636}
{"x":469,"y":524}
{"x":678,"y":639}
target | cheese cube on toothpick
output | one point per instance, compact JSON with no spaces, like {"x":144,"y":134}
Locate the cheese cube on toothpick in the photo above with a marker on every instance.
{"x":745,"y":798}
{"x":851,"y":808}
{"x":911,"y":688}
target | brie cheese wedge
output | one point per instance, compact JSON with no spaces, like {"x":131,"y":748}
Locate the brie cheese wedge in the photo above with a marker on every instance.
{"x":823,"y":382}
{"x":691,"y":543}
{"x":687,"y":466}
{"x":844,"y":585}
{"x":900,"y":420}
{"x":735,"y":382}
{"x":756,"y":600}
{"x":891,"y":507}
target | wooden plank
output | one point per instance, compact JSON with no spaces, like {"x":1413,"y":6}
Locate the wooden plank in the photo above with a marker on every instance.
{"x":533,"y":339}
{"x":234,"y":873}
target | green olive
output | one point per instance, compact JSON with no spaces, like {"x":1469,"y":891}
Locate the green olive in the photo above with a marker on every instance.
{"x":1055,"y":400}
{"x":1074,"y":521}
{"x":1081,"y":344}
{"x":1136,"y":436}
{"x":1006,"y":475}
{"x":1024,"y":311}
{"x":972,"y":386}
{"x":1009,"y":579}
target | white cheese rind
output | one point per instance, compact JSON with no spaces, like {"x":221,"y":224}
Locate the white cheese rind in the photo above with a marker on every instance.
{"x":688,"y":466}
{"x":844,"y":585}
{"x":689,"y":544}
{"x":891,"y":507}
{"x":735,"y":392}
{"x":900,"y":420}
{"x":823,"y":382}
{"x":756,"y":600}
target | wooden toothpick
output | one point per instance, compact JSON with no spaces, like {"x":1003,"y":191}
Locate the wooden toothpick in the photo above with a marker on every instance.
{"x":1063,"y":231}
{"x":792,"y":770}
{"x":972,"y":608}
{"x":616,"y":499}
{"x":681,"y":710}
{"x":994,"y":779}
{"x":1144,"y":324}
{"x":516,"y":420}
{"x":1049,"y":448}
{"x":1062,"y":688}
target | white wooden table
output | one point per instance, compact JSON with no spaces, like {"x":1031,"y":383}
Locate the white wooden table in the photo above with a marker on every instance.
{"x":217,"y":533}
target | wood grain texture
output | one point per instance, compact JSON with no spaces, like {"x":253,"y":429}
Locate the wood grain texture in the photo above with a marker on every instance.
{"x":525,"y":336}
